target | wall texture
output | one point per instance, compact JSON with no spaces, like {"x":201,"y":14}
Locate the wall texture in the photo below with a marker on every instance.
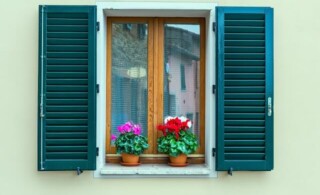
{"x":297,"y":124}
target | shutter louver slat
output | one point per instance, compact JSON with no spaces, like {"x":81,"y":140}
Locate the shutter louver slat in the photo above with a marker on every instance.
{"x":67,"y":55}
{"x":244,"y":115}
{"x":231,"y":96}
{"x":69,"y":35}
{"x":244,"y":89}
{"x":66,"y":148}
{"x":66,"y":88}
{"x":67,"y":155}
{"x":67,"y":28}
{"x":57,"y":61}
{"x":230,"y":136}
{"x":66,"y":41}
{"x":244,"y":129}
{"x":67,"y":21}
{"x":59,"y":115}
{"x":250,"y":50}
{"x":240,"y":62}
{"x":66,"y":142}
{"x":245,"y":149}
{"x":68,"y":126}
{"x":68,"y":14}
{"x":244,"y":143}
{"x":69,"y":108}
{"x":67,"y":81}
{"x":245,"y":82}
{"x":249,"y":22}
{"x":243,"y":126}
{"x":67,"y":48}
{"x":244,"y":29}
{"x":67,"y":75}
{"x":255,"y":56}
{"x":66,"y":102}
{"x":54,"y":135}
{"x":66,"y":95}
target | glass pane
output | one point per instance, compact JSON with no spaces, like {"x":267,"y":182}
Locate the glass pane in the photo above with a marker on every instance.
{"x":129,"y":75}
{"x":182,"y":71}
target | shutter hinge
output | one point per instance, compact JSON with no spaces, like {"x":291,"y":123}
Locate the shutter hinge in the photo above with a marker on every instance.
{"x":213,"y":152}
{"x":98,"y":26}
{"x":97,"y":151}
{"x":98,"y":88}
{"x":213,"y":26}
{"x":213,"y":89}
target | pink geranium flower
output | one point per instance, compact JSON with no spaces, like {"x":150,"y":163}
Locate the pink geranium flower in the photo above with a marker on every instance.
{"x":113,"y":137}
{"x":125,"y":127}
{"x":136,"y":129}
{"x":130,"y":127}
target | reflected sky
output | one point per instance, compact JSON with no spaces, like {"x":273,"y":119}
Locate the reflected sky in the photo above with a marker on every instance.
{"x":195,"y":28}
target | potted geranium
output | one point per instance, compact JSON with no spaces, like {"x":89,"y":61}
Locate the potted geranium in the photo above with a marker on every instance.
{"x":130,"y":143}
{"x":177,"y":140}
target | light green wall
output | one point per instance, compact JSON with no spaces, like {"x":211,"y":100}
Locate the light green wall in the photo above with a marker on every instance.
{"x":297,"y":119}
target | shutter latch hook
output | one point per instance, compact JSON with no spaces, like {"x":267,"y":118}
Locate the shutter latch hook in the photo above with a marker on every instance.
{"x":79,"y":171}
{"x":230,"y":171}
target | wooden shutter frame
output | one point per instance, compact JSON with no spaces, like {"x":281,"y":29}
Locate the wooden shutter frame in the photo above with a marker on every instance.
{"x":252,"y":165}
{"x":90,"y":162}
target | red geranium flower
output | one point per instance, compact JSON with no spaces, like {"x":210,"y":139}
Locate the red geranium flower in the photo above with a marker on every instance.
{"x":174,"y":125}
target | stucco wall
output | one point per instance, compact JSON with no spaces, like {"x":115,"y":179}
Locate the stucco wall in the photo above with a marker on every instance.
{"x":297,"y":119}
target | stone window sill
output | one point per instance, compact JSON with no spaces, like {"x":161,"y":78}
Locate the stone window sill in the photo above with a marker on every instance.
{"x":155,"y":170}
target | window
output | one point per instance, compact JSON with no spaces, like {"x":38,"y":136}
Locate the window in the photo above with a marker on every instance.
{"x":182,"y":77}
{"x":232,"y":99}
{"x":143,"y":72}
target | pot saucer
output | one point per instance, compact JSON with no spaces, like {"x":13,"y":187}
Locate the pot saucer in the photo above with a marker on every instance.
{"x":130,"y":164}
{"x":178,"y":165}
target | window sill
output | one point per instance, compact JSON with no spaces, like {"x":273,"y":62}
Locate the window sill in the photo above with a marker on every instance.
{"x":156,"y":170}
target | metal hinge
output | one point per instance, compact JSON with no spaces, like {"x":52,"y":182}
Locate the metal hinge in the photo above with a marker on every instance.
{"x":98,"y":26}
{"x":213,"y":152}
{"x":213,"y":89}
{"x":97,"y":151}
{"x":213,"y":26}
{"x":98,"y":88}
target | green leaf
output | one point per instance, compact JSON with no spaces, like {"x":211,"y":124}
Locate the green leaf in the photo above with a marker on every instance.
{"x":173,"y":143}
{"x":137,"y":148}
{"x":182,"y":147}
{"x":131,"y":143}
{"x":173,"y":152}
{"x":182,"y":133}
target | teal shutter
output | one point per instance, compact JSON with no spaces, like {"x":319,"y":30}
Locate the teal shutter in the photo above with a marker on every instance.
{"x":244,"y":88}
{"x":67,"y":88}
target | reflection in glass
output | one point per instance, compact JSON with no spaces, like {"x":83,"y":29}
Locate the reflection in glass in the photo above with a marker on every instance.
{"x":129,"y":75}
{"x":182,"y":71}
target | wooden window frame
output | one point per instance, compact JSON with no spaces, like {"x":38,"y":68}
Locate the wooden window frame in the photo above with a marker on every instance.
{"x":155,"y":85}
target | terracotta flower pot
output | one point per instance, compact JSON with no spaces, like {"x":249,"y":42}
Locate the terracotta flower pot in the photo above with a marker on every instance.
{"x":130,"y":158}
{"x":180,"y":160}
